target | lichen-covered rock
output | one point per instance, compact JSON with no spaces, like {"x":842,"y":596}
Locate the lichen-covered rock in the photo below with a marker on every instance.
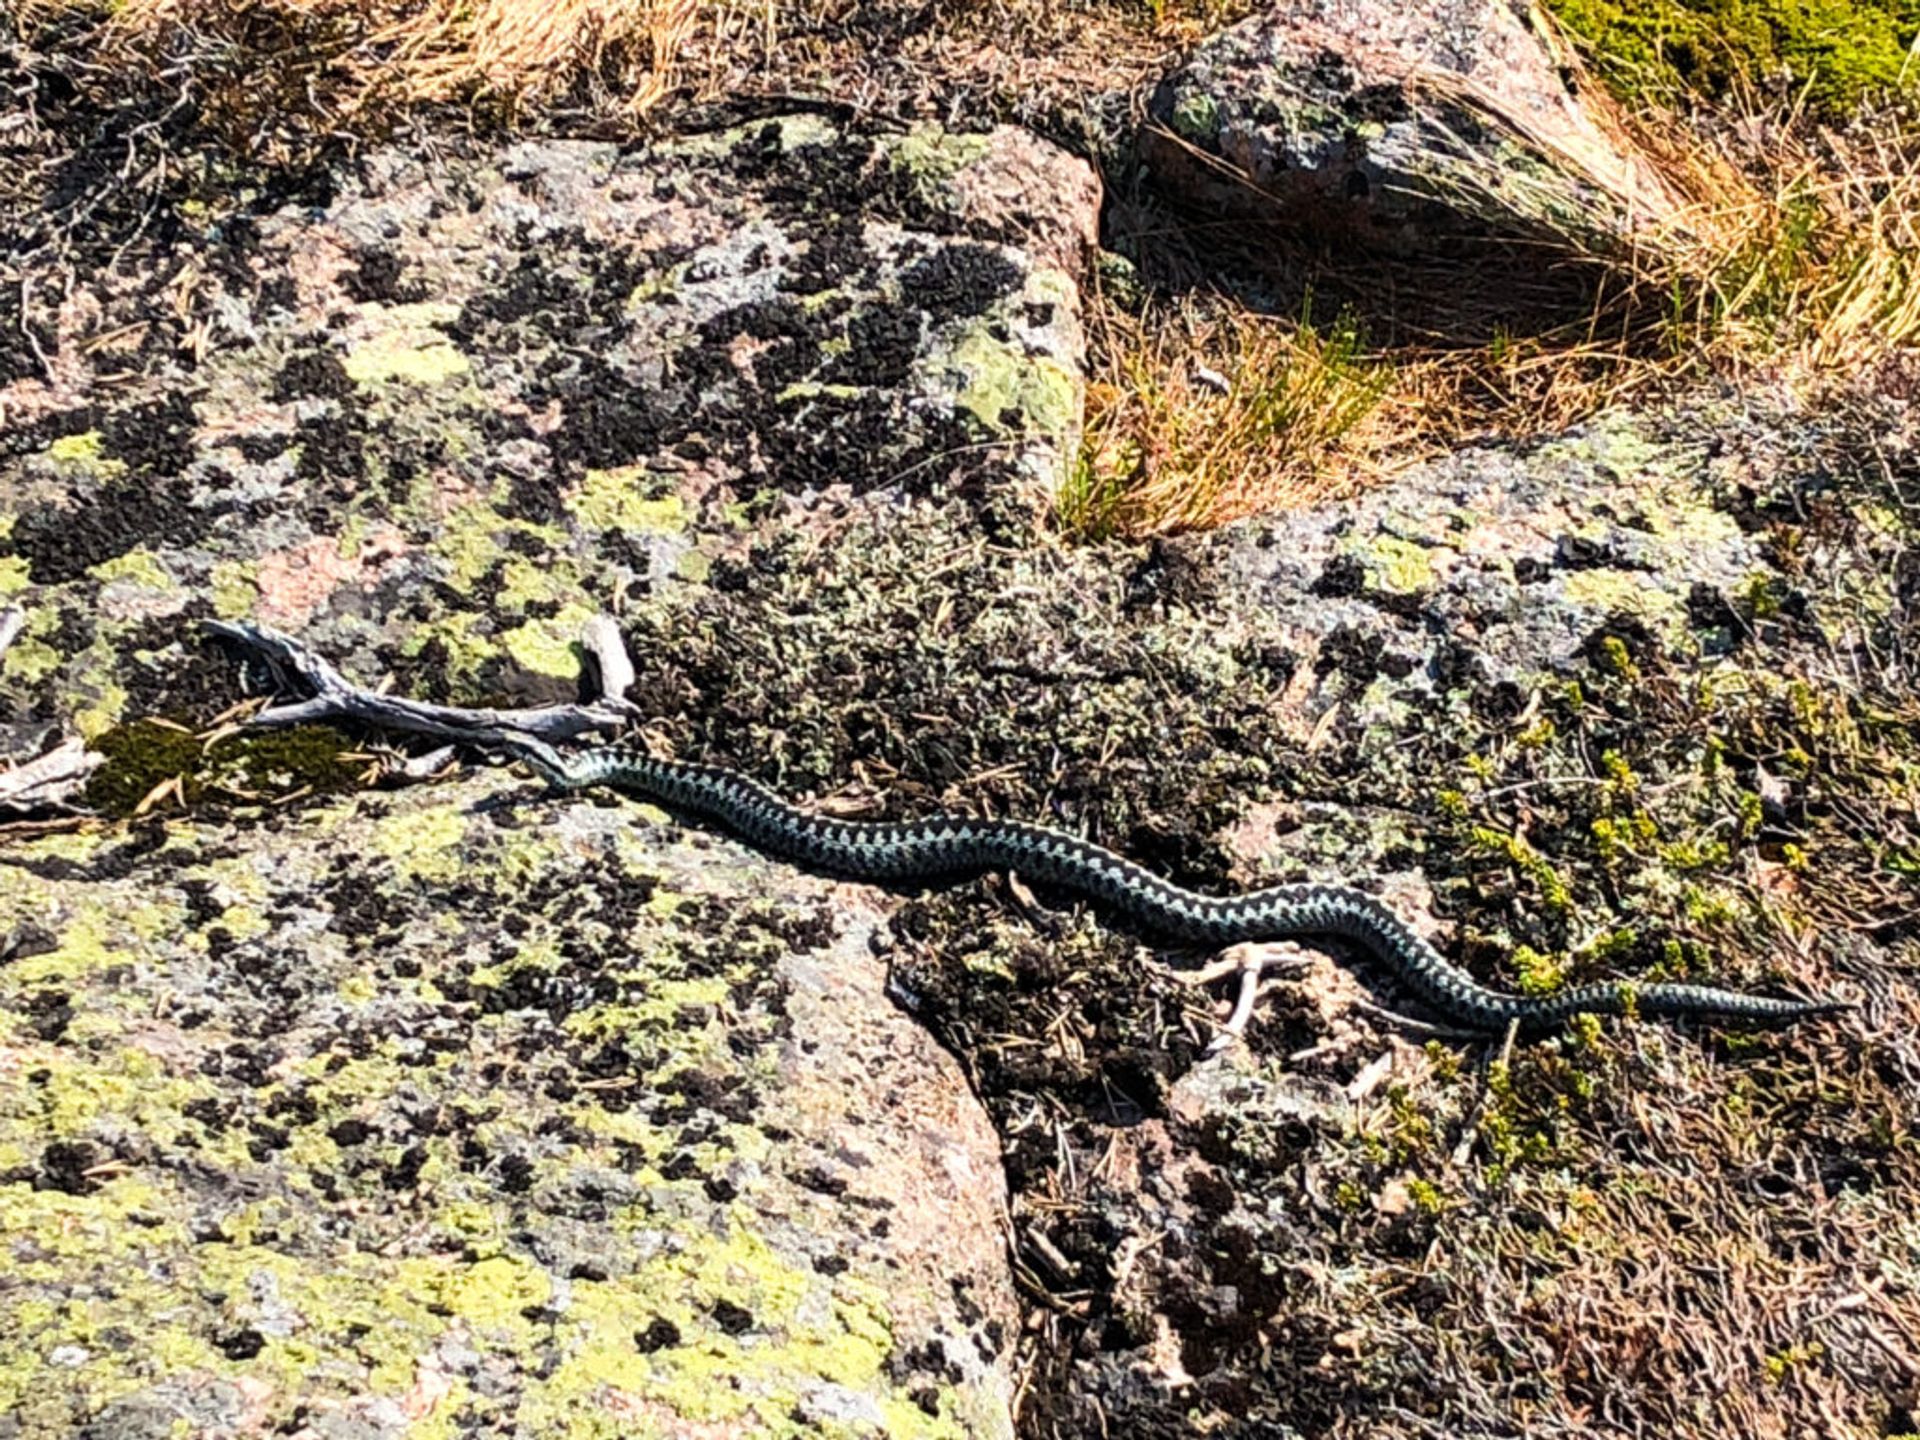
{"x":1398,"y":125}
{"x":430,"y":1113}
{"x":437,"y":423}
{"x":454,"y":1112}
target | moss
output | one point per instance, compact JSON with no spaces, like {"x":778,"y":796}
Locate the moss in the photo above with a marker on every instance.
{"x":1839,"y":51}
{"x":145,"y":754}
{"x":141,"y":757}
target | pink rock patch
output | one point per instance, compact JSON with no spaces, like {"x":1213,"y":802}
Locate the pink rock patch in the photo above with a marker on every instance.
{"x":296,"y":582}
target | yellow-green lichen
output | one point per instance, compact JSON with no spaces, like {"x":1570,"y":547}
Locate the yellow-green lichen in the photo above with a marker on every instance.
{"x":423,"y":844}
{"x":15,"y":574}
{"x":30,"y":661}
{"x":752,"y":1384}
{"x":1009,"y":391}
{"x":1610,"y":591}
{"x":85,"y":455}
{"x":619,"y":499}
{"x":1401,"y":567}
{"x":410,"y":349}
{"x":233,"y":589}
{"x":551,"y":645}
{"x":933,"y":156}
{"x":136,"y":567}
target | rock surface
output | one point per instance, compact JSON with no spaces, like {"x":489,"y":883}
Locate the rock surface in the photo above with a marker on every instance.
{"x":454,"y":1108}
{"x":489,"y":1113}
{"x":432,"y":1108}
{"x":1396,"y":125}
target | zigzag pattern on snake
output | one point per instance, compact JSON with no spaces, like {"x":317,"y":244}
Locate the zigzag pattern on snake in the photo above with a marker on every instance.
{"x":952,"y":845}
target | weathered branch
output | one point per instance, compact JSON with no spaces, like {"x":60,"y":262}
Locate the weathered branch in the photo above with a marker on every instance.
{"x":329,"y":695}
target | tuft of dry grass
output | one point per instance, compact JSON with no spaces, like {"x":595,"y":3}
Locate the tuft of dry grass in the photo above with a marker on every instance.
{"x":271,"y":76}
{"x":1207,"y":414}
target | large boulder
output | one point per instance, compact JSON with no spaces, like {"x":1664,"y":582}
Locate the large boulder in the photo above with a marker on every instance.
{"x":1395,"y":125}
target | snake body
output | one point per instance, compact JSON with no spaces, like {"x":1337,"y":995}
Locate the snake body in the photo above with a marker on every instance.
{"x":954,"y":845}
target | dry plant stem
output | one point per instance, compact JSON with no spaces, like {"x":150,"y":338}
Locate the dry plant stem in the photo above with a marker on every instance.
{"x":331,"y":696}
{"x":1248,"y":961}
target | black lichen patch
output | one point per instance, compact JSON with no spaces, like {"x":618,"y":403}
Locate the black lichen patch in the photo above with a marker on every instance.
{"x":60,"y":543}
{"x":962,"y":279}
{"x":316,"y":374}
{"x":154,"y":439}
{"x":381,"y":277}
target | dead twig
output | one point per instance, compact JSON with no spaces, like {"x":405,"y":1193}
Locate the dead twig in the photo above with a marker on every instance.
{"x":330,"y":696}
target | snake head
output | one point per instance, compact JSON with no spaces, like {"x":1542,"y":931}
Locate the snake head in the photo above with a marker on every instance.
{"x":543,"y":758}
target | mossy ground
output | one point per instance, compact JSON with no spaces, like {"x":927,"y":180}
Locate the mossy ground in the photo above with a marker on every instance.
{"x":1837,"y":53}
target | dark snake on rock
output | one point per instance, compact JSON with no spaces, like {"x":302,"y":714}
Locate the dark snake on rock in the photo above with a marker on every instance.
{"x":944,"y":846}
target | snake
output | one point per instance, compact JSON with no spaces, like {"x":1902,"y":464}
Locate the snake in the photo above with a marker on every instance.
{"x":948,"y":846}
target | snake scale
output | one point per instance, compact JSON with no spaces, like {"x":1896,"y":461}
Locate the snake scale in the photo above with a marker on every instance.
{"x":953,"y":845}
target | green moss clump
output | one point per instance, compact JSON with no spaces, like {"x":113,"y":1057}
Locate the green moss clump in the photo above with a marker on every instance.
{"x":139,"y":758}
{"x":143,"y":755}
{"x":1841,"y":51}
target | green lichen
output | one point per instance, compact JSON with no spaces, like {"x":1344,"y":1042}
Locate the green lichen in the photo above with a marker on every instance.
{"x":551,"y":645}
{"x":136,"y":567}
{"x":84,"y":455}
{"x":30,"y":661}
{"x":1401,"y":567}
{"x":619,"y":499}
{"x":411,"y":349}
{"x":1010,"y":392}
{"x":231,"y":584}
{"x":1610,"y":591}
{"x":422,"y":845}
{"x":1197,"y":117}
{"x":932,"y":156}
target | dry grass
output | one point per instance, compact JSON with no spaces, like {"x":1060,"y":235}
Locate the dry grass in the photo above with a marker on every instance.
{"x":272,"y":75}
{"x":1205,"y":418}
